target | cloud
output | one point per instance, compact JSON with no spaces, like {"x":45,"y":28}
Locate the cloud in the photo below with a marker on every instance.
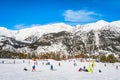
{"x":80,"y":16}
{"x":23,"y":26}
{"x":20,"y":26}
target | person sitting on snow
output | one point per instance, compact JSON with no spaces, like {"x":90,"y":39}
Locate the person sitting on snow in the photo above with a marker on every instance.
{"x":100,"y":71}
{"x":48,"y":63}
{"x":84,"y":69}
{"x":80,"y":69}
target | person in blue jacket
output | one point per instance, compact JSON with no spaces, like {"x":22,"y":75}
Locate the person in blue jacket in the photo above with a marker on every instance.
{"x":51,"y":67}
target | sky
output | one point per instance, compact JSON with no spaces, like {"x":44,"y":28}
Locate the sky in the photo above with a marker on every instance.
{"x":18,"y":14}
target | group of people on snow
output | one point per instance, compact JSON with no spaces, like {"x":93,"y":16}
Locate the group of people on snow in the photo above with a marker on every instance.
{"x":34,"y":66}
{"x":85,"y":69}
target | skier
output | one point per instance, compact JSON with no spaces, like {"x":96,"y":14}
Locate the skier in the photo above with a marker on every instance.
{"x":75,"y":64}
{"x":42,"y":63}
{"x":33,"y":68}
{"x":2,"y":61}
{"x":59,"y":63}
{"x":116,"y":67}
{"x":23,"y":61}
{"x":14,"y":61}
{"x":105,"y":65}
{"x":92,"y":65}
{"x":51,"y":67}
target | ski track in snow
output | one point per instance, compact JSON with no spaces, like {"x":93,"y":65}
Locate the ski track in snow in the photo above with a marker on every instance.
{"x":67,"y":71}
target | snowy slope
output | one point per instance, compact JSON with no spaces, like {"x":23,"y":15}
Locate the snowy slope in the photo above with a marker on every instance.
{"x":6,"y":32}
{"x":67,"y":71}
{"x":99,"y":25}
{"x":117,"y":23}
{"x":53,"y":48}
{"x":93,"y":26}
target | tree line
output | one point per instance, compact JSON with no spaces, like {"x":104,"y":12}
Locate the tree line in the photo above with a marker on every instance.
{"x":57,"y":56}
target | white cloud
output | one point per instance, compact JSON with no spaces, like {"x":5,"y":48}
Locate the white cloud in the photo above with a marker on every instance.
{"x":80,"y":16}
{"x":20,"y":26}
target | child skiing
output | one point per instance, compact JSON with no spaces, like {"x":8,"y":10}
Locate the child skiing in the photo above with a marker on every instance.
{"x":33,"y":68}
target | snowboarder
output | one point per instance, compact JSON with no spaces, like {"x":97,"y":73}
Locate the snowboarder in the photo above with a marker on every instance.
{"x":33,"y":68}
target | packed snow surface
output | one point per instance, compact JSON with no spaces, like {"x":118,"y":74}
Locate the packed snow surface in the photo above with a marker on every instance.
{"x":12,"y":69}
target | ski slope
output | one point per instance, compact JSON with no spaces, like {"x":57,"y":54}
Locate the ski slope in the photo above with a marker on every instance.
{"x":66,"y":70}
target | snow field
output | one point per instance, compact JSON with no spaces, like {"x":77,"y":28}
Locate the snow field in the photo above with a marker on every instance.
{"x":66,"y":71}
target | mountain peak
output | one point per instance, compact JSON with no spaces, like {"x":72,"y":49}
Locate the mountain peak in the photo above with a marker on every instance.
{"x":58,"y":24}
{"x":94,"y":26}
{"x":102,"y":21}
{"x":116,"y":23}
{"x":3,"y":28}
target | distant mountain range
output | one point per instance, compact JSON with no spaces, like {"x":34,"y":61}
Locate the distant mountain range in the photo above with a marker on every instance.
{"x":95,"y":38}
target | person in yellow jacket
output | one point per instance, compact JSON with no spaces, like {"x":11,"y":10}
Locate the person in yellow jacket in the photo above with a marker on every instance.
{"x":90,"y":69}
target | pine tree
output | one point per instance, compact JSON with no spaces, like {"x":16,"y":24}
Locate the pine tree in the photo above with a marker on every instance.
{"x":111,"y":58}
{"x":103,"y":58}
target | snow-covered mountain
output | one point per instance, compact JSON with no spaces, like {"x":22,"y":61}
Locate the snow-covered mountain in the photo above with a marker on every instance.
{"x":98,"y":37}
{"x":5,"y":32}
{"x":39,"y":30}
